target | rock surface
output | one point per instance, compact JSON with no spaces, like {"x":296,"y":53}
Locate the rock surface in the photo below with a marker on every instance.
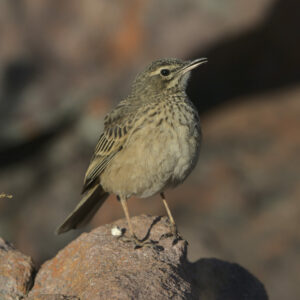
{"x":98,"y":265}
{"x":16,"y":272}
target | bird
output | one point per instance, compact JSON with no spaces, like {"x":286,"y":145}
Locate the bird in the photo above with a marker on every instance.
{"x":150,"y":143}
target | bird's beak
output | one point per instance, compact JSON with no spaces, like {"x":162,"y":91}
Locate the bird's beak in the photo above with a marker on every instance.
{"x":192,"y":65}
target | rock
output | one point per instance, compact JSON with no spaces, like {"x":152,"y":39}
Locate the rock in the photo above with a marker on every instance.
{"x":217,"y":279}
{"x":98,"y":265}
{"x":52,"y":297}
{"x":16,"y":272}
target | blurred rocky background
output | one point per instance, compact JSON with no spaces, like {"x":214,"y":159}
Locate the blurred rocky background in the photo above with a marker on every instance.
{"x":64,"y":64}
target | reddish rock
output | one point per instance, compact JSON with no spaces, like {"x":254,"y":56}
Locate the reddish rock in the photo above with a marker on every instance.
{"x":98,"y":265}
{"x":16,"y":272}
{"x":52,"y":297}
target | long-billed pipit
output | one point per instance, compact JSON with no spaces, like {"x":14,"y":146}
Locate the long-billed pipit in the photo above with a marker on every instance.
{"x":150,"y":142}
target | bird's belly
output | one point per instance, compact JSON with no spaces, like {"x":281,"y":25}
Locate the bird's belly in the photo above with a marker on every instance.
{"x":155,"y":158}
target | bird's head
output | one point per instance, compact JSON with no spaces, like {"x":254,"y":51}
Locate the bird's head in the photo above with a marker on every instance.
{"x":165,"y":76}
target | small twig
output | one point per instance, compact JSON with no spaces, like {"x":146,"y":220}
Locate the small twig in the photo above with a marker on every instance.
{"x":3,"y":195}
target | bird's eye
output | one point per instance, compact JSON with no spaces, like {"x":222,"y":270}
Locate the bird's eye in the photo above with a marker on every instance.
{"x":165,"y":72}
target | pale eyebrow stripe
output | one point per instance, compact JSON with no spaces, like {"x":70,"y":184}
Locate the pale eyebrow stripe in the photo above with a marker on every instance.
{"x":160,"y":68}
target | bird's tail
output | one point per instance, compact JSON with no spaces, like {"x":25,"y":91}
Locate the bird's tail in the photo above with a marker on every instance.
{"x":85,"y":209}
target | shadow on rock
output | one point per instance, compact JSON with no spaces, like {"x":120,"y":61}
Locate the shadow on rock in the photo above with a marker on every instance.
{"x":217,"y":279}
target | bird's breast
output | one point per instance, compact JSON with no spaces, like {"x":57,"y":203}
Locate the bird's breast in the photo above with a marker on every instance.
{"x":161,"y":152}
{"x":171,"y":142}
{"x":181,"y":140}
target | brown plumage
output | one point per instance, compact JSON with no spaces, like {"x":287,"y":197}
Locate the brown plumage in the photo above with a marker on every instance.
{"x":150,"y":142}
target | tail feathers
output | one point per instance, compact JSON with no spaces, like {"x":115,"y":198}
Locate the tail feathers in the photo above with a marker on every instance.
{"x":85,"y":209}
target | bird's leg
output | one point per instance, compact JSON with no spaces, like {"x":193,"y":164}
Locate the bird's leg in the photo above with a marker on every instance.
{"x":138,"y":243}
{"x":174,"y":231}
{"x":126,"y":212}
{"x":168,"y":210}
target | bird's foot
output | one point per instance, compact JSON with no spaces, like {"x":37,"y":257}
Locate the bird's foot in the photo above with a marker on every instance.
{"x":172,"y":233}
{"x":141,"y":243}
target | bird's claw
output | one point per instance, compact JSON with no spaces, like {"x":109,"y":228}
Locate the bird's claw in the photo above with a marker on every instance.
{"x":172,"y":233}
{"x":142,"y":243}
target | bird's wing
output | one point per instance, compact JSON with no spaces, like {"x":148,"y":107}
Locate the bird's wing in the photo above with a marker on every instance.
{"x":117,"y":126}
